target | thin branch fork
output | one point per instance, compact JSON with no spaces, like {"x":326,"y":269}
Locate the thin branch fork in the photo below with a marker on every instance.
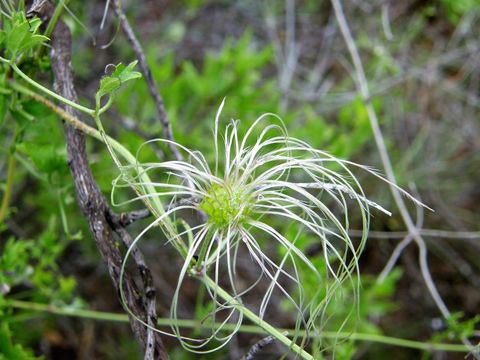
{"x":92,"y":202}
{"x":259,"y":346}
{"x":127,"y":218}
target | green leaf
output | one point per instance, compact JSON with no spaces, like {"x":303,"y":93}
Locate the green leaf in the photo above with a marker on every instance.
{"x":20,"y":35}
{"x":14,"y":261}
{"x":126,"y":73}
{"x":108,"y":85}
{"x":67,"y":286}
{"x":31,"y":41}
{"x":35,"y":24}
{"x":8,"y":350}
{"x":47,"y":158}
{"x":121,"y":74}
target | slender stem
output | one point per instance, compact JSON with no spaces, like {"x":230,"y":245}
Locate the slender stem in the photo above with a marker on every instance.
{"x":8,"y":187}
{"x":86,"y":129}
{"x":248,"y":329}
{"x":46,"y":90}
{"x":278,"y":334}
{"x":106,"y":106}
{"x":56,"y":15}
{"x":76,"y":123}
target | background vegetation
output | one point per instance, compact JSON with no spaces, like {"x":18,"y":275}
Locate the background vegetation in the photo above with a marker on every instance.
{"x":421,"y":60}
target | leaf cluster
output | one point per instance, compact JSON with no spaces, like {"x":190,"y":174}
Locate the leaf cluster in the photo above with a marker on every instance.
{"x":20,"y":34}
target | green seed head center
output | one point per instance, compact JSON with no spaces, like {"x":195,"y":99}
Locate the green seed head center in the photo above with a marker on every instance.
{"x":225,"y":206}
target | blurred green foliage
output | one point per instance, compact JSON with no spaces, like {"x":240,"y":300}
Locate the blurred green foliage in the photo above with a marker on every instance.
{"x":8,"y":350}
{"x":456,"y":9}
{"x":19,"y":35}
{"x":32,"y":264}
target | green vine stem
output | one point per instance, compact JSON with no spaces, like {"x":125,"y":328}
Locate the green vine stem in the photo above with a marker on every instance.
{"x":8,"y":187}
{"x":53,"y":21}
{"x":86,"y":129}
{"x":278,"y":334}
{"x":248,"y":329}
{"x":51,"y":24}
{"x":45,"y":90}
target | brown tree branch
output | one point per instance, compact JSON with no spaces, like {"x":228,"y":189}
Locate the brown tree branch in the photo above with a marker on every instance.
{"x":259,"y":346}
{"x":101,"y":219}
{"x":125,"y":219}
{"x":147,"y":281}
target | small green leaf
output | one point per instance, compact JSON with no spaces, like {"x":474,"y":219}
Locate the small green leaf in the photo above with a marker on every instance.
{"x":31,"y":41}
{"x":126,"y":73}
{"x":20,"y":34}
{"x":15,"y":37}
{"x":35,"y":24}
{"x":14,"y":261}
{"x":8,"y":350}
{"x":110,"y":83}
{"x":47,"y":158}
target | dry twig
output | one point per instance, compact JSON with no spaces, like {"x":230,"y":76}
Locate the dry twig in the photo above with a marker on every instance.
{"x":258,"y":346}
{"x":142,"y":61}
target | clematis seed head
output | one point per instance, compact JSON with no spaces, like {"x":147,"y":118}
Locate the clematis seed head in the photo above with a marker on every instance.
{"x":225,"y":205}
{"x":260,"y":179}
